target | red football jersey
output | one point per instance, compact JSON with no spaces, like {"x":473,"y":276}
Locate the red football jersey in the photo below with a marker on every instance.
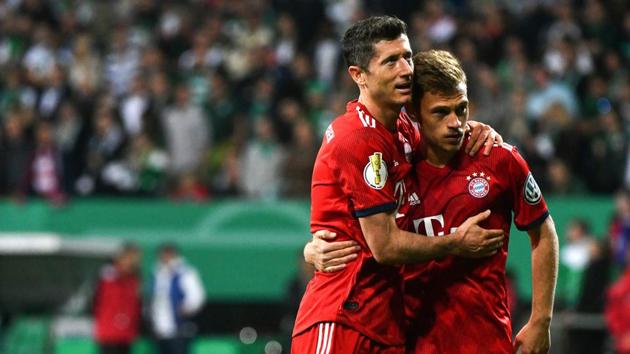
{"x":460,"y":305}
{"x":358,"y":172}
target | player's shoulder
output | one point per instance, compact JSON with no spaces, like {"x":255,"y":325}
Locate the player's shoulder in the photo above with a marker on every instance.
{"x":500,"y":158}
{"x":504,"y":150}
{"x":355,"y":118}
{"x":353,"y":126}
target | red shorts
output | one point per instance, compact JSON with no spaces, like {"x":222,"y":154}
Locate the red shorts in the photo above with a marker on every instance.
{"x":334,"y":338}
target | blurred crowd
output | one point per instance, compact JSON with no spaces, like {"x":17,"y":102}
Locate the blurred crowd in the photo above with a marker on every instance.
{"x":203,"y":98}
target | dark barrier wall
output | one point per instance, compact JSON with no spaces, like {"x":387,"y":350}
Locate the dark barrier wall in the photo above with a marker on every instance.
{"x":245,"y":250}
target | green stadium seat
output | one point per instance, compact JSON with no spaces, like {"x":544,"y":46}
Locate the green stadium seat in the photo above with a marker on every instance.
{"x":27,"y":335}
{"x":142,"y":346}
{"x":75,"y":345}
{"x":215,"y":346}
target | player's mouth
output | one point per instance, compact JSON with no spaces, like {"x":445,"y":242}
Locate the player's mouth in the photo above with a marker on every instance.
{"x":454,"y":138}
{"x":404,"y":88}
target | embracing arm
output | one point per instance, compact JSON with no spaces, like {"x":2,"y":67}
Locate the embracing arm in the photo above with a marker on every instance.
{"x":535,"y":336}
{"x":390,"y":245}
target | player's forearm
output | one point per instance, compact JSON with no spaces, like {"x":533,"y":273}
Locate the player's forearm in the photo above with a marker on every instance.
{"x":402,"y":247}
{"x":544,"y":271}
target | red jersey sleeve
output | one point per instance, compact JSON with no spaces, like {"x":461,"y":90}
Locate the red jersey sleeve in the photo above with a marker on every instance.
{"x":530,"y":208}
{"x":363,"y":162}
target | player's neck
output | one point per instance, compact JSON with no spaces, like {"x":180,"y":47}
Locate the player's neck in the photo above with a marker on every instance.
{"x":386,"y":115}
{"x":436,"y":156}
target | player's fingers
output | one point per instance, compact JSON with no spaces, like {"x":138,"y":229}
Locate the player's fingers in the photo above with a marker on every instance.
{"x":478,"y":218}
{"x":489,"y":143}
{"x":493,"y":234}
{"x":336,"y":268}
{"x":325,"y":235}
{"x":342,"y":253}
{"x":341,"y":260}
{"x":474,"y":135}
{"x":336,"y":246}
{"x":494,"y":242}
{"x":477,"y":144}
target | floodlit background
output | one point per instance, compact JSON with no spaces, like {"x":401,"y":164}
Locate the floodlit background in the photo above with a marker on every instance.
{"x":197,"y":122}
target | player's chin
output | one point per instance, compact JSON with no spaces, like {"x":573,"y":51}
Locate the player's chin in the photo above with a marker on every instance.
{"x":403,"y":98}
{"x":452,"y":143}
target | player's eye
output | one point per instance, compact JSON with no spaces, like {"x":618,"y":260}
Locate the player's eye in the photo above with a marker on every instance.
{"x":441,"y":113}
{"x":461,"y":110}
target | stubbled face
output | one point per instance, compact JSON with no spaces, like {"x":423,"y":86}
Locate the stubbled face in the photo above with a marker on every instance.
{"x":389,"y":74}
{"x":444,"y":120}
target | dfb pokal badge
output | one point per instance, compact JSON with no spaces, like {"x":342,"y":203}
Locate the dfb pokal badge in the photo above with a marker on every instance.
{"x":375,"y":172}
{"x":478,"y":185}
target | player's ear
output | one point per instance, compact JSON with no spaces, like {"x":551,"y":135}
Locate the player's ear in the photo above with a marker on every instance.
{"x":357,"y":74}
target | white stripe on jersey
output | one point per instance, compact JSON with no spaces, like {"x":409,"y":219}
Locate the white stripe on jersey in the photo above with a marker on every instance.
{"x":324,"y":338}
{"x":330,"y":337}
{"x":366,"y":120}
{"x":319,"y":338}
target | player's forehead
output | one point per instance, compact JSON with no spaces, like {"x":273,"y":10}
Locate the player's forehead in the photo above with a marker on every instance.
{"x":385,"y":47}
{"x":437,"y":98}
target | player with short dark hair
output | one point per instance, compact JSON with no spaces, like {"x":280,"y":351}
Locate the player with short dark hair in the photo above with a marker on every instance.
{"x":358,"y":183}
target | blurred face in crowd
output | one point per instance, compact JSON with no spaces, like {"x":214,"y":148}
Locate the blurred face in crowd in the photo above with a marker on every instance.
{"x":387,"y":79}
{"x":128,"y":261}
{"x":444,"y":120}
{"x":44,"y":135}
{"x":575,"y":232}
{"x":13,"y":127}
{"x":167,"y":255}
{"x":622,"y":204}
{"x":182,"y":95}
{"x":104,"y":122}
{"x":264,"y":129}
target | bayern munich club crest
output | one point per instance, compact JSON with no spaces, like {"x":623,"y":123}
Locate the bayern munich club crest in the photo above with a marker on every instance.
{"x":478,"y":184}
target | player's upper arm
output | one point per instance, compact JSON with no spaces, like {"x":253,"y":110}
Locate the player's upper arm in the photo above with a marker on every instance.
{"x":545,"y":230}
{"x":378,"y":230}
{"x":530,"y":208}
{"x":363,"y":161}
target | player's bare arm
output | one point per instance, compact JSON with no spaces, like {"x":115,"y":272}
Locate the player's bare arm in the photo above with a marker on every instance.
{"x":534,"y":337}
{"x":469,"y":240}
{"x":390,"y":245}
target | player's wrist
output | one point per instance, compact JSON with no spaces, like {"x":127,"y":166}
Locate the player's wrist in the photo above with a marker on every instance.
{"x":543,"y":321}
{"x":449,"y":244}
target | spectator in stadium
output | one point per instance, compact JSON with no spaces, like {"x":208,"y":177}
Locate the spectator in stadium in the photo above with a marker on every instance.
{"x":15,"y":150}
{"x":177,"y":294}
{"x":576,"y":255}
{"x":592,"y":300}
{"x":581,"y":48}
{"x":618,"y":310}
{"x":187,"y":133}
{"x":117,"y":302}
{"x":297,"y":168}
{"x":70,"y":136}
{"x":105,"y":146}
{"x":441,"y":293}
{"x":619,"y":228}
{"x":261,"y":163}
{"x":45,"y":173}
